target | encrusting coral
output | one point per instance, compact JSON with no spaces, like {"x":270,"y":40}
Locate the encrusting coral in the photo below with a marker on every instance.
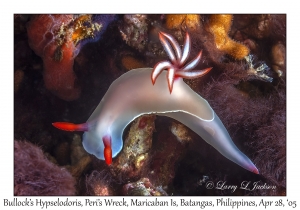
{"x":84,"y":28}
{"x":137,"y":145}
{"x":180,"y":131}
{"x":134,"y":30}
{"x":35,"y":175}
{"x":220,"y":25}
{"x":177,"y":21}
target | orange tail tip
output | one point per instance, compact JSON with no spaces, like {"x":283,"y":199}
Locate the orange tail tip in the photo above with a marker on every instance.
{"x":66,"y":126}
{"x":255,"y":170}
{"x":107,"y":149}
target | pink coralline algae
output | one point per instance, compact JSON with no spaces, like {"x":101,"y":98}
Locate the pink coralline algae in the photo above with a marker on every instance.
{"x":35,"y":175}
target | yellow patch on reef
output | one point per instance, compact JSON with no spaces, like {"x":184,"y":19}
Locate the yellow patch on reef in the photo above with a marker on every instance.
{"x":140,"y":160}
{"x":130,"y":62}
{"x":176,"y":21}
{"x":84,"y":28}
{"x":220,"y":25}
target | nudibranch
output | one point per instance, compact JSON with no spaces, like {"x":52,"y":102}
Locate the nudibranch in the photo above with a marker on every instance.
{"x":134,"y":94}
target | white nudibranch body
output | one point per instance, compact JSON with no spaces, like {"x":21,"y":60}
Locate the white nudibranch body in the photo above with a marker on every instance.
{"x":133,"y":94}
{"x":160,"y":92}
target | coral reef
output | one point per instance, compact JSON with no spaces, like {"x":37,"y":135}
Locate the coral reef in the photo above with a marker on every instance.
{"x":258,"y":71}
{"x":79,"y":168}
{"x":180,"y":131}
{"x":77,"y":151}
{"x":84,"y":28}
{"x":98,"y":184}
{"x":137,"y":145}
{"x":220,"y":25}
{"x":161,"y":155}
{"x":189,"y":21}
{"x":134,"y":31}
{"x":256,"y":26}
{"x":142,"y":187}
{"x":47,"y":35}
{"x":166,"y":154}
{"x":35,"y":175}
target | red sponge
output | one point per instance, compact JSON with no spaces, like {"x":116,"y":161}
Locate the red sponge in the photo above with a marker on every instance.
{"x":50,"y":38}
